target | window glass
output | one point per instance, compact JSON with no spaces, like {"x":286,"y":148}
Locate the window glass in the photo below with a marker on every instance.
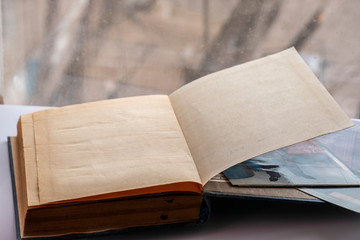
{"x":57,"y":53}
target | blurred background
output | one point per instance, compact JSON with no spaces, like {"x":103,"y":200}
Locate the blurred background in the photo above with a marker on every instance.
{"x":55,"y":53}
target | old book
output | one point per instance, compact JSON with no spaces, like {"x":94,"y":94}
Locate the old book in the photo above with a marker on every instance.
{"x":143,"y":161}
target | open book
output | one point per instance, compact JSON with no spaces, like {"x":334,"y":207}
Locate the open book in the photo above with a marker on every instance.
{"x":143,"y":160}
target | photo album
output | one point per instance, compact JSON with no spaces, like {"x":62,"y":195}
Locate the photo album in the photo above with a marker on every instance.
{"x":150,"y":160}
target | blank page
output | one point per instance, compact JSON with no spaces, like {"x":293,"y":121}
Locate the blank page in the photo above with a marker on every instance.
{"x":244,"y":111}
{"x":110,"y":146}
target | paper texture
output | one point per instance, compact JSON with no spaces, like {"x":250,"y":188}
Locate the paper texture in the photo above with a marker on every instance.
{"x":29,"y":158}
{"x":244,"y":111}
{"x":110,"y":146}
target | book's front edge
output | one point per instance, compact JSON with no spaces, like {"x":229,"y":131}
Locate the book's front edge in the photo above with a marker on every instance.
{"x":12,"y":173}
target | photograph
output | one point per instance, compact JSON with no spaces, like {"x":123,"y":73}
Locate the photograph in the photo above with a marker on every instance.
{"x":306,"y":164}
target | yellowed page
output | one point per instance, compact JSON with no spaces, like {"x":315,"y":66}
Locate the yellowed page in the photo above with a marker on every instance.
{"x":247,"y":110}
{"x":26,"y":135}
{"x":110,"y":146}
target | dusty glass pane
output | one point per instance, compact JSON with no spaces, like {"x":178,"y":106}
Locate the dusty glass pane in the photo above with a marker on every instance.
{"x":65,"y":52}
